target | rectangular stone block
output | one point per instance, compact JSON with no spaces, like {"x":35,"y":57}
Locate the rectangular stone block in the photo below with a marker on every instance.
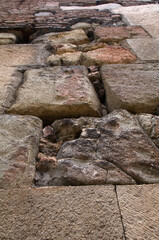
{"x":139,"y":207}
{"x":146,"y":49}
{"x":22,"y":55}
{"x":19,"y":140}
{"x":72,"y":213}
{"x":10,"y":80}
{"x":58,"y":92}
{"x":134,"y":87}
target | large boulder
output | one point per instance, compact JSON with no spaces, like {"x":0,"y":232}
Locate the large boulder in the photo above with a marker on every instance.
{"x":19,"y":140}
{"x":58,"y":92}
{"x":134,"y":87}
{"x":109,"y":150}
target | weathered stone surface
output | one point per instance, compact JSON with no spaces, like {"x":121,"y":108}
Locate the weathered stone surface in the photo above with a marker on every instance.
{"x":109,"y":54}
{"x":150,"y":124}
{"x":146,"y":16}
{"x":22,"y":54}
{"x":91,"y":46}
{"x":76,"y":37}
{"x":7,"y":38}
{"x":139,"y":207}
{"x":57,"y":92}
{"x":134,"y":87}
{"x":10,"y":80}
{"x":100,"y":7}
{"x":64,"y":47}
{"x":19,"y":139}
{"x":145,"y":48}
{"x":109,"y":150}
{"x":60,"y":213}
{"x":65,"y":59}
{"x":116,"y":34}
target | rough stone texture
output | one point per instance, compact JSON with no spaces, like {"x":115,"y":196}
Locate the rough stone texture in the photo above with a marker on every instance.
{"x":7,"y":38}
{"x":19,"y":139}
{"x":76,"y":37}
{"x":22,"y":54}
{"x":65,"y":59}
{"x":139,"y":208}
{"x":109,"y":54}
{"x":116,"y":34}
{"x":109,"y":150}
{"x":145,"y":16}
{"x":10,"y":80}
{"x":150,"y":124}
{"x":64,"y":47}
{"x":60,"y":213}
{"x":81,"y":25}
{"x":58,"y":92}
{"x":134,"y":87}
{"x":145,"y":48}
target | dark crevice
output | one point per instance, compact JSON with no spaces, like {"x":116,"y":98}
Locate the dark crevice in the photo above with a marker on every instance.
{"x":121,"y":217}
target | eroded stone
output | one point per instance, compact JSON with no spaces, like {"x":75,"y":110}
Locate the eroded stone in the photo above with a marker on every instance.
{"x":134,"y":87}
{"x":58,"y":92}
{"x":10,"y":80}
{"x":76,"y":37}
{"x":7,"y":38}
{"x":111,"y":150}
{"x":19,"y":139}
{"x":109,"y":54}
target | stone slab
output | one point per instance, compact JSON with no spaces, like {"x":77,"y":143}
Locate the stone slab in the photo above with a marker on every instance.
{"x":145,"y":48}
{"x":58,"y":92}
{"x":10,"y":80}
{"x":139,"y":207}
{"x":60,"y":213}
{"x":134,"y":87}
{"x":100,"y":7}
{"x":22,"y":55}
{"x":19,"y":139}
{"x":108,"y":54}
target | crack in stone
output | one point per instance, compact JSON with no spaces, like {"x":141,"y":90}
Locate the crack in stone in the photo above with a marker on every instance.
{"x":121,"y":217}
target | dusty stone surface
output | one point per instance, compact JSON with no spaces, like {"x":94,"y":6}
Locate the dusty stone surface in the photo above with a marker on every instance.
{"x":110,"y":150}
{"x":145,"y":48}
{"x":58,"y":92}
{"x":76,"y":37}
{"x":57,"y":213}
{"x":139,"y":207}
{"x":19,"y":139}
{"x":64,"y":47}
{"x":116,"y":34}
{"x":150,"y":124}
{"x":10,"y":80}
{"x":100,"y":7}
{"x":7,"y":38}
{"x":134,"y":87}
{"x":106,"y":55}
{"x":22,"y":54}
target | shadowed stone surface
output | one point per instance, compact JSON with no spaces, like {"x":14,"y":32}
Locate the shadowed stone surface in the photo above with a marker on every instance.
{"x":60,"y":213}
{"x":139,"y":207}
{"x":110,"y":150}
{"x":10,"y":80}
{"x":22,"y":54}
{"x":145,"y":48}
{"x":109,"y":54}
{"x":134,"y":87}
{"x":19,"y":140}
{"x":58,"y":92}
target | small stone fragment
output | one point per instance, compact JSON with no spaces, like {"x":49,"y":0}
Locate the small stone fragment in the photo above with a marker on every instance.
{"x":54,"y":60}
{"x":64,"y":48}
{"x":7,"y":38}
{"x":81,"y":25}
